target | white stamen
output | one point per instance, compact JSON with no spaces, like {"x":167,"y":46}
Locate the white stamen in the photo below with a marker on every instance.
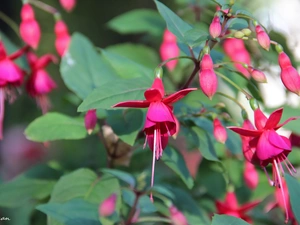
{"x":153,"y":164}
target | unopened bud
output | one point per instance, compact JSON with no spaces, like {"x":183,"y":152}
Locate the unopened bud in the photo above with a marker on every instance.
{"x":253,"y":103}
{"x":251,"y":177}
{"x":220,"y":132}
{"x":239,"y":34}
{"x":258,"y":76}
{"x":215,"y":27}
{"x":68,"y":5}
{"x":107,"y":207}
{"x":262,"y":37}
{"x":278,"y":48}
{"x":247,"y":31}
{"x":90,"y":120}
{"x":177,"y":217}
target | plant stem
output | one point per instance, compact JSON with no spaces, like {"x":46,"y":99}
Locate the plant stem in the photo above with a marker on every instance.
{"x":196,"y":69}
{"x":12,"y":24}
{"x":233,"y":99}
{"x":174,"y":58}
{"x":153,"y":219}
{"x":133,"y":209}
{"x":44,"y":7}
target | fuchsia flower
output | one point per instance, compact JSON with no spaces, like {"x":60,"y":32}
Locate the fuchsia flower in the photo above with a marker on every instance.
{"x":177,"y":217}
{"x":219,"y":131}
{"x":231,"y":207}
{"x":68,"y":5}
{"x":262,"y":37}
{"x":251,"y":177}
{"x":10,"y":76}
{"x":63,"y":38}
{"x":169,"y":49}
{"x":90,"y":120}
{"x":207,"y":77}
{"x":108,"y":206}
{"x":266,"y":146}
{"x":289,"y":75}
{"x":29,"y":27}
{"x":40,"y":83}
{"x":215,"y":27}
{"x":235,"y":49}
{"x":160,"y":121}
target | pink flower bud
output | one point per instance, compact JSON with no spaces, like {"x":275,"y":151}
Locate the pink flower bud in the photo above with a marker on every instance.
{"x":169,"y":36}
{"x":219,"y":131}
{"x":90,"y":120}
{"x":289,"y":75}
{"x":107,"y":207}
{"x":215,"y":27}
{"x":207,"y":77}
{"x":262,"y":37}
{"x":68,"y":5}
{"x":251,"y":177}
{"x":177,"y":217}
{"x":206,"y":62}
{"x":258,"y":75}
{"x":29,"y":27}
{"x":63,"y":38}
{"x":169,"y":49}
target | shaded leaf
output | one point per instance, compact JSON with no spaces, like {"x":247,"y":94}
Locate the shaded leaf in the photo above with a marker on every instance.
{"x":294,"y":192}
{"x":121,"y":175}
{"x":227,"y":220}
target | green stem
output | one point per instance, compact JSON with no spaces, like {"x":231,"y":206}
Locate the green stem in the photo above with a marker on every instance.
{"x":175,"y":58}
{"x":232,"y":99}
{"x":45,"y":7}
{"x":153,"y":219}
{"x":248,"y":96}
{"x":12,"y":24}
{"x":196,"y":69}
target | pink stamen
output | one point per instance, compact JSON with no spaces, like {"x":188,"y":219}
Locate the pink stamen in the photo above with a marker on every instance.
{"x":282,"y":191}
{"x":2,"y":99}
{"x":290,"y":165}
{"x":268,"y":177}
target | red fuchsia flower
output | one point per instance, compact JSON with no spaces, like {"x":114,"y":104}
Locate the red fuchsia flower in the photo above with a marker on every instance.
{"x":108,"y":206}
{"x":231,"y":207}
{"x":262,"y":37}
{"x":169,"y":49}
{"x":68,"y":5}
{"x":160,"y":121}
{"x":251,"y":177}
{"x":29,"y":27}
{"x":215,"y":27}
{"x":10,"y":76}
{"x":267,"y":146}
{"x":177,"y":217}
{"x":63,"y":37}
{"x":40,"y":83}
{"x":90,"y":120}
{"x":289,"y":75}
{"x":207,"y":77}
{"x":235,"y":49}
{"x":257,"y":75}
{"x":220,"y":132}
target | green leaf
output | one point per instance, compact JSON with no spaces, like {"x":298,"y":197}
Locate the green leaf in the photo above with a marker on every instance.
{"x":73,"y":212}
{"x":294,"y":192}
{"x":83,"y":69}
{"x":115,"y":91}
{"x":55,"y":126}
{"x":227,"y":220}
{"x":144,"y":20}
{"x":174,"y":23}
{"x":126,"y":123}
{"x":138,"y":53}
{"x":233,"y":142}
{"x":121,"y":175}
{"x":175,"y":161}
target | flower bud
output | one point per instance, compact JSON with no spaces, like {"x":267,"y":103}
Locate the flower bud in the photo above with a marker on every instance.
{"x":206,"y":62}
{"x":169,"y":36}
{"x":68,"y":5}
{"x":107,"y":207}
{"x":239,"y":34}
{"x":215,"y":27}
{"x":63,"y":38}
{"x":177,"y":217}
{"x":90,"y":120}
{"x":169,"y":49}
{"x":29,"y":28}
{"x":262,"y":38}
{"x":258,"y":76}
{"x":247,"y":31}
{"x":251,"y":177}
{"x":220,"y":132}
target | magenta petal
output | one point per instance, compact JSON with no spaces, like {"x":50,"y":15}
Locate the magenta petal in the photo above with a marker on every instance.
{"x":279,"y":141}
{"x":260,"y":119}
{"x":245,"y":132}
{"x":274,"y":119}
{"x":248,"y":206}
{"x":159,"y":112}
{"x":265,"y":150}
{"x":177,"y":95}
{"x":287,"y":121}
{"x":133,"y":104}
{"x":9,"y":71}
{"x":153,"y":95}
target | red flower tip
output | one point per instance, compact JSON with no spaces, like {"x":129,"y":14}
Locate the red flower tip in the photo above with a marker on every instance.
{"x":258,"y":75}
{"x":63,"y":38}
{"x":262,"y":37}
{"x":27,"y":12}
{"x":251,"y":177}
{"x":215,"y":27}
{"x":169,"y":49}
{"x":220,"y":132}
{"x":177,"y":217}
{"x":107,"y":207}
{"x":68,"y":5}
{"x":169,"y":36}
{"x":90,"y":120}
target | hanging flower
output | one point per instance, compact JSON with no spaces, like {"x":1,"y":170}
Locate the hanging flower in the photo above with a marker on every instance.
{"x":251,"y":177}
{"x":215,"y":27}
{"x":219,"y":131}
{"x":68,"y":5}
{"x":177,"y":217}
{"x":262,"y":37}
{"x":63,"y":37}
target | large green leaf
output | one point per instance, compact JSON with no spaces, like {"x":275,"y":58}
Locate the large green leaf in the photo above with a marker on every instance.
{"x":144,"y":20}
{"x":73,"y":212}
{"x":121,"y":175}
{"x":83,"y":69}
{"x":175,"y":161}
{"x":116,"y":91}
{"x":55,"y":126}
{"x":294,"y":191}
{"x":227,"y":220}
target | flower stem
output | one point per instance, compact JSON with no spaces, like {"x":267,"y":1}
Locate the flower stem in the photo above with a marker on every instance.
{"x":12,"y":24}
{"x":196,"y":69}
{"x":232,"y":99}
{"x":175,"y":58}
{"x":44,"y":6}
{"x":153,"y":219}
{"x":133,"y":209}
